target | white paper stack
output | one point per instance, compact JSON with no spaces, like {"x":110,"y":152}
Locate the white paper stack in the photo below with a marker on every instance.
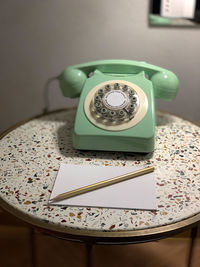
{"x":136,"y":193}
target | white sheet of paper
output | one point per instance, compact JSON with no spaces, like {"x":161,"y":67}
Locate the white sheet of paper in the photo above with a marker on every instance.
{"x":136,"y":193}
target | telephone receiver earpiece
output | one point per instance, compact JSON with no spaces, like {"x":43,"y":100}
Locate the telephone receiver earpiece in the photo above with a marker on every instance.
{"x":165,"y":85}
{"x":72,"y":79}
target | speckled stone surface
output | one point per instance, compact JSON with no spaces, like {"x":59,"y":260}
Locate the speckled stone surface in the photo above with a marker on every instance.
{"x":31,"y":154}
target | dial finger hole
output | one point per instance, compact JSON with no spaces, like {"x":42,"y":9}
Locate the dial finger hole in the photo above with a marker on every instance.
{"x":107,"y":87}
{"x":97,"y":98}
{"x":132,"y":107}
{"x":116,"y":86}
{"x":100,"y":92}
{"x":133,"y":99}
{"x":104,"y":111}
{"x":112,"y":113}
{"x":131,"y":92}
{"x":98,"y":105}
{"x":125,"y":87}
{"x":122,"y":113}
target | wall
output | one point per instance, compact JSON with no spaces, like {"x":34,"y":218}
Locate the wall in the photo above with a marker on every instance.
{"x":40,"y":38}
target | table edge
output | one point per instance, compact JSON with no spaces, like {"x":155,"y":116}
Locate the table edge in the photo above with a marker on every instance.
{"x":139,"y":235}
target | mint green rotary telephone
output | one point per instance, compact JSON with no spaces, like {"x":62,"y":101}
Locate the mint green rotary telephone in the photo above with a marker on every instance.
{"x":116,"y":108}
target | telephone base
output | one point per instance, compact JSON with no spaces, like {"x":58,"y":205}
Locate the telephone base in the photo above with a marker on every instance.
{"x":113,"y":143}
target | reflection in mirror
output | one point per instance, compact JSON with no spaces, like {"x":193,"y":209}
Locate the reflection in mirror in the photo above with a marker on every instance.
{"x":183,"y":13}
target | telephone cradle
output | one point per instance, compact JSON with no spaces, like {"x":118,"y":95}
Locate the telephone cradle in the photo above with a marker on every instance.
{"x":116,"y":110}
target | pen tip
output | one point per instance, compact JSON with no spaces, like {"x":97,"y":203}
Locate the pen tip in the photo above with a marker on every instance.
{"x":53,"y":199}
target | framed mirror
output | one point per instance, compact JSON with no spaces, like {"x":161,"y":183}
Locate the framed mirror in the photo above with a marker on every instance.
{"x":174,"y":13}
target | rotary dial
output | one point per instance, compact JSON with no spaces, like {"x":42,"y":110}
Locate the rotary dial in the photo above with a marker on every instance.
{"x":115,"y":102}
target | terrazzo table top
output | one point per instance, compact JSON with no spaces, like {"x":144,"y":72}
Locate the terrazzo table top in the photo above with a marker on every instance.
{"x":30,"y":156}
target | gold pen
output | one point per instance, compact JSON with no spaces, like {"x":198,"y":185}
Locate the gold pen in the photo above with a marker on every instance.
{"x":101,"y":184}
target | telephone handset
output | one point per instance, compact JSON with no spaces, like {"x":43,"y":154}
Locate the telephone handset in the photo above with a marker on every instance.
{"x":116,"y":107}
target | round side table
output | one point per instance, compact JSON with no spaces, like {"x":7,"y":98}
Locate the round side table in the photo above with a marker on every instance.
{"x":30,"y":156}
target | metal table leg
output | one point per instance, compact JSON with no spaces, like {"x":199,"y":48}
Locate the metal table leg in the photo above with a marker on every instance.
{"x":193,"y":235}
{"x":89,"y":247}
{"x":33,"y":247}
